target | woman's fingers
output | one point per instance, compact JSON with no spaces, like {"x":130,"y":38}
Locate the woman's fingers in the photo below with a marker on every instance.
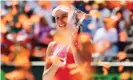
{"x":56,"y":61}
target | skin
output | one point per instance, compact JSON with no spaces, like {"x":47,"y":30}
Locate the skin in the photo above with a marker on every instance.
{"x":52,"y":64}
{"x":61,"y":20}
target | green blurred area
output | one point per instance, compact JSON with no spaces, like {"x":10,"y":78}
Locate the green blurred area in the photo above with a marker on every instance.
{"x":2,"y":74}
{"x":38,"y":70}
{"x":108,"y":77}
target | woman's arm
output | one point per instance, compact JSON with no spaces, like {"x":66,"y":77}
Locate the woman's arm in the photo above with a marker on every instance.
{"x":49,"y":73}
{"x":82,"y":53}
{"x":51,"y":66}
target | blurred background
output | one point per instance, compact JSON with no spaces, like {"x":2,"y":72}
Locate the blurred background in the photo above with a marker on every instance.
{"x":27,"y":27}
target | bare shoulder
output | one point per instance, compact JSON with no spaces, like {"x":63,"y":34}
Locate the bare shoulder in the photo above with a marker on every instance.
{"x":51,"y":44}
{"x":49,"y":49}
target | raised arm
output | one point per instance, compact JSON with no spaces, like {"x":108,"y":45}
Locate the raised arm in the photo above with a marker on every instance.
{"x":82,"y":53}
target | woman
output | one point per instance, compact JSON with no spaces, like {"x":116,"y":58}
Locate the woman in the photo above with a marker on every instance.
{"x":57,"y":68}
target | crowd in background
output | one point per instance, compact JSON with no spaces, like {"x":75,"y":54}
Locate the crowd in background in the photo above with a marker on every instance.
{"x":27,"y":27}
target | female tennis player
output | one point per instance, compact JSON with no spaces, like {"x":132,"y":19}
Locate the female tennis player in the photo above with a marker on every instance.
{"x":70,"y":47}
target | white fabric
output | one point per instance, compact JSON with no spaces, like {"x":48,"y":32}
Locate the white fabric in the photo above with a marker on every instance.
{"x":102,"y":35}
{"x":60,"y":7}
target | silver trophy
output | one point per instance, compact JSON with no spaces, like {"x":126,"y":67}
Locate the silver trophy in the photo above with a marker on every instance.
{"x":76,"y":16}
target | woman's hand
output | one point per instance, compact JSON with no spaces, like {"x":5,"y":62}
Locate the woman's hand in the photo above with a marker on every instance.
{"x":56,"y":61}
{"x":83,"y":45}
{"x":52,"y":65}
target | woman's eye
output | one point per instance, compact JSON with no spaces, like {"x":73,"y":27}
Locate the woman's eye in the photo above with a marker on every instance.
{"x":64,"y":16}
{"x":56,"y":18}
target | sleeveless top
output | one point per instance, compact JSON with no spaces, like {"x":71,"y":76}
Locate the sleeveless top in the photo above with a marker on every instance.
{"x":63,"y":73}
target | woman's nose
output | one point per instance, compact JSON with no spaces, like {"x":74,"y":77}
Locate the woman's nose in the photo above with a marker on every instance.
{"x":59,"y":21}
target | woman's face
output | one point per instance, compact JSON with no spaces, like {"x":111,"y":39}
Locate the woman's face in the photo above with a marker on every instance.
{"x":61,"y":19}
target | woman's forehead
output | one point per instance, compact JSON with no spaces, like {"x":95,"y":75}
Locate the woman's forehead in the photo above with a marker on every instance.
{"x":60,"y":13}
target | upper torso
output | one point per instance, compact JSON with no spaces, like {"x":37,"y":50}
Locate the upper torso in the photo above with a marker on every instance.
{"x":64,"y":73}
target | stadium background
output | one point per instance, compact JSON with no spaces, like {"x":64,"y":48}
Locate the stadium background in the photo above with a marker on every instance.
{"x":28,"y":26}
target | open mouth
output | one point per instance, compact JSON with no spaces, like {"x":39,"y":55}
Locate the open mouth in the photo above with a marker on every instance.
{"x":62,"y":25}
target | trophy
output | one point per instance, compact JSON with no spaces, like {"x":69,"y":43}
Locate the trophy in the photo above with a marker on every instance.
{"x":76,"y":16}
